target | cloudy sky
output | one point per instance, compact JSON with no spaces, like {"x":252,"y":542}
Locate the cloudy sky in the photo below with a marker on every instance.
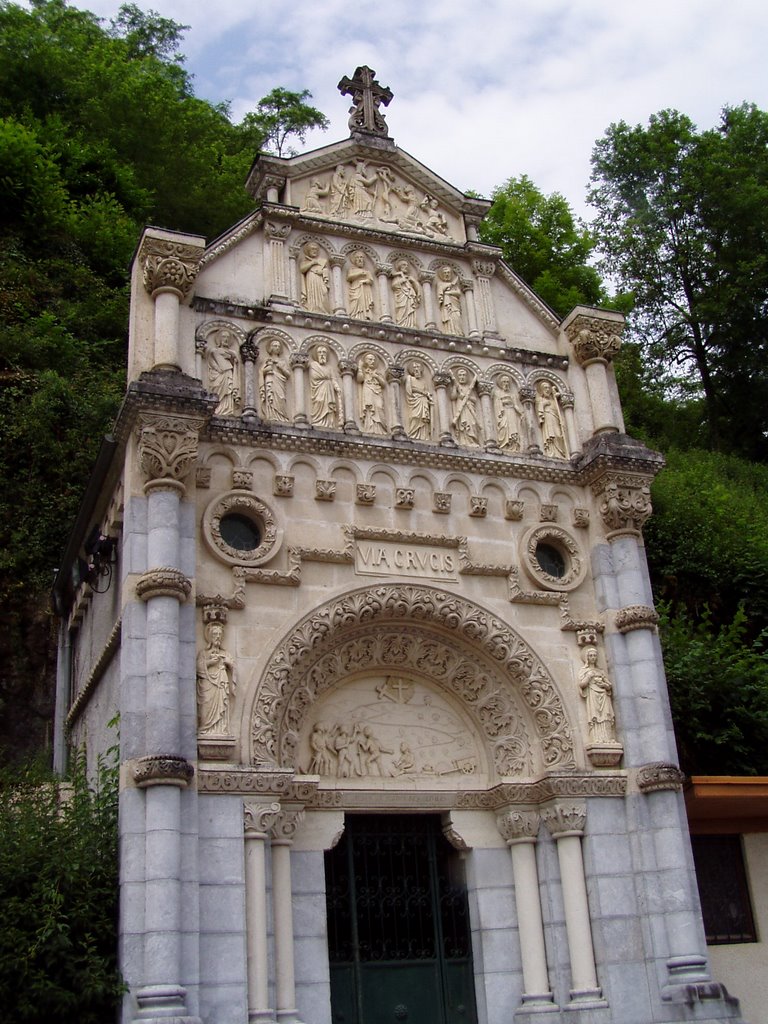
{"x":484,"y":90}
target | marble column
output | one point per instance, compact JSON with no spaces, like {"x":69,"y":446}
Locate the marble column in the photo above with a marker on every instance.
{"x":528,"y":398}
{"x":443,"y":380}
{"x":595,"y":336}
{"x":258,"y":819}
{"x":426,"y":280}
{"x":469,"y":298}
{"x":485,"y":390}
{"x":571,"y":440}
{"x":337,"y":297}
{"x":169,"y":269}
{"x":395,"y":375}
{"x":484,"y":271}
{"x":348,"y":368}
{"x":277,"y":233}
{"x":282,"y":832}
{"x":382,"y":277}
{"x":520,"y":829}
{"x":566,"y":824}
{"x":299,"y":364}
{"x":249,"y":353}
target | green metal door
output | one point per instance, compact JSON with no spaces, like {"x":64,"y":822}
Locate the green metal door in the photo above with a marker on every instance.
{"x":398,"y":924}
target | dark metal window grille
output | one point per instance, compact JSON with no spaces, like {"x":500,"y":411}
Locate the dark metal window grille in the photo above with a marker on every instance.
{"x":723,"y":889}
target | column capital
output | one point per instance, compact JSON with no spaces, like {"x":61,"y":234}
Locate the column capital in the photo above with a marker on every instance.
{"x":277,"y":230}
{"x":167,"y":449}
{"x":594,"y":334}
{"x":285,"y":826}
{"x":169,"y":265}
{"x":625,"y":506}
{"x":249,"y":350}
{"x":442,"y":379}
{"x":163,"y":582}
{"x":299,"y":360}
{"x":484,"y":268}
{"x":518,"y":826}
{"x":565,"y":819}
{"x":162,"y":770}
{"x":636,"y":616}
{"x":258,"y":818}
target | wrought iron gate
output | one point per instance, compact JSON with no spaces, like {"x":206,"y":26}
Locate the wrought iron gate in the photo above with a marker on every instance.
{"x":398,"y":924}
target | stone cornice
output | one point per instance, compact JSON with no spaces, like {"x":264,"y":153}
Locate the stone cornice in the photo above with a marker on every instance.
{"x":162,"y":392}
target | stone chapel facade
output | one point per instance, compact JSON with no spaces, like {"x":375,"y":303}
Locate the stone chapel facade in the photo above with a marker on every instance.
{"x":394,"y":736}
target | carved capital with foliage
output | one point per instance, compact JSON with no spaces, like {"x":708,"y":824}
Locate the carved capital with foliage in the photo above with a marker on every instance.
{"x":258,"y":818}
{"x":625,"y":506}
{"x":636,"y":616}
{"x":595,"y":337}
{"x":162,"y":770}
{"x":163,"y":582}
{"x":657,"y":776}
{"x":518,"y":826}
{"x":167,"y":449}
{"x":565,"y":819}
{"x":169,"y":264}
{"x":283,"y":829}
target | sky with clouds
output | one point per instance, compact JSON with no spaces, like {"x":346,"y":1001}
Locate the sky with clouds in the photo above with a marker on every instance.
{"x":485,"y":90}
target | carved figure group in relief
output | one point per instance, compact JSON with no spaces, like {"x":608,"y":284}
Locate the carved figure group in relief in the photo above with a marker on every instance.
{"x":359,"y":287}
{"x":597,"y":691}
{"x":224,"y":373}
{"x":419,"y":403}
{"x":406,"y":291}
{"x":372,"y":391}
{"x":215,"y":683}
{"x":315,"y":280}
{"x":449,"y":300}
{"x":550,"y":417}
{"x":466,"y":421}
{"x":508,"y":415}
{"x":346,"y":751}
{"x":273,"y":387}
{"x":326,"y":402}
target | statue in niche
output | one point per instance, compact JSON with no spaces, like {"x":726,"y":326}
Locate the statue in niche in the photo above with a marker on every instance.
{"x":215,"y":683}
{"x":340,"y":191}
{"x":597,"y":690}
{"x":419,"y":402}
{"x":465,"y":422}
{"x":274,"y":376}
{"x":550,"y":417}
{"x":508,"y":414}
{"x":360,"y":287}
{"x":313,"y":200}
{"x":407,"y":294}
{"x":363,"y":190}
{"x":315,"y":280}
{"x":224,"y":372}
{"x":325,"y":397}
{"x":372,"y":390}
{"x":449,"y":300}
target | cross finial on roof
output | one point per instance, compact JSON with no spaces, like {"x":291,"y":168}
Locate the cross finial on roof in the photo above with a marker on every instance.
{"x":367,"y":96}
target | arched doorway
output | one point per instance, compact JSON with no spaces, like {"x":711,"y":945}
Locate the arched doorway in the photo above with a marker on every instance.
{"x":398,"y":924}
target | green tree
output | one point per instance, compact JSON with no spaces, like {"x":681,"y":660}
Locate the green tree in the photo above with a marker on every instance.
{"x":280,"y":115}
{"x":541,"y":241}
{"x":682,"y":223}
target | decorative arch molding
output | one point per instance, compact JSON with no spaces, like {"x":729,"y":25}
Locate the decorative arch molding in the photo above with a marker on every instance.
{"x":463,"y":647}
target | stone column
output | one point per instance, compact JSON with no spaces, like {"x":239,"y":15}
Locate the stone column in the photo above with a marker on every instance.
{"x":382,"y":276}
{"x":337,"y":299}
{"x":596,"y":338}
{"x":169,"y":270}
{"x":200,"y":346}
{"x":528,"y":398}
{"x":167,"y":448}
{"x":249,"y":353}
{"x":443,"y":381}
{"x":348,"y":369}
{"x":566,"y":404}
{"x":566,"y":824}
{"x":258,"y":819}
{"x":469,"y":298}
{"x":484,"y":271}
{"x":395,"y":375}
{"x":299,"y":364}
{"x":485,"y":390}
{"x":520,"y":829}
{"x":282,"y":832}
{"x":426,"y":280}
{"x":277,"y":232}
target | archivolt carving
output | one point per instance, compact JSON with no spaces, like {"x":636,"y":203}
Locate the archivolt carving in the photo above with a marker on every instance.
{"x":498,"y":666}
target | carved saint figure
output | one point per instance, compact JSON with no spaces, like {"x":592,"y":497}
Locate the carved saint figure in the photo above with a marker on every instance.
{"x":363,"y":190}
{"x":372,"y":390}
{"x":215,"y":683}
{"x":313,"y":199}
{"x":597,"y":690}
{"x":435,"y":224}
{"x":274,"y":376}
{"x":419,"y":401}
{"x":326,"y":404}
{"x":465,"y":422}
{"x":223,"y":373}
{"x":508,"y":414}
{"x":339,"y":189}
{"x":315,"y":280}
{"x":550,"y":419}
{"x":322,"y":758}
{"x":449,"y":300}
{"x":360,"y":287}
{"x":407,"y":293}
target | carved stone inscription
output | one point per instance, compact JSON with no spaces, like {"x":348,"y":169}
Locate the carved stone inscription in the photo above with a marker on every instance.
{"x":395,"y":558}
{"x":388,"y":726}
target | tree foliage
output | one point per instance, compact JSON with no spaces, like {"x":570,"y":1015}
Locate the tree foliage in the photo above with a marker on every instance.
{"x":682,"y":223}
{"x":58,"y":897}
{"x":542,"y":242}
{"x":280,"y":115}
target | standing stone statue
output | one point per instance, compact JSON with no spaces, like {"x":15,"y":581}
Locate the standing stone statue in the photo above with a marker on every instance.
{"x":466,"y":420}
{"x":315,"y":280}
{"x":508,"y":415}
{"x":419,"y":402}
{"x":372,"y":391}
{"x":449,"y":300}
{"x":360,"y":287}
{"x":597,"y":690}
{"x":224,"y":373}
{"x":363,"y":190}
{"x":325,"y":396}
{"x":340,"y":190}
{"x":215,"y":683}
{"x":550,"y":419}
{"x":407,"y":294}
{"x":274,"y":376}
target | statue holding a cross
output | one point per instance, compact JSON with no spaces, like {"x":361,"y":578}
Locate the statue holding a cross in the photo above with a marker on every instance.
{"x":367,"y":97}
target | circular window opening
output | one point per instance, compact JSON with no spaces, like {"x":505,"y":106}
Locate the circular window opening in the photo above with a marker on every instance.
{"x":550,"y":560}
{"x":239,"y":532}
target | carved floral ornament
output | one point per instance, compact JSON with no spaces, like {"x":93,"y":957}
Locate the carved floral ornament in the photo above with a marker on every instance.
{"x":595,"y":338}
{"x":625,"y":505}
{"x":167,"y":449}
{"x":552,"y":558}
{"x":399,"y":627}
{"x":169,"y":264}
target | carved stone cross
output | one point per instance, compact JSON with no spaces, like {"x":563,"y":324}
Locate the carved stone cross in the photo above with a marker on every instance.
{"x":367,"y":96}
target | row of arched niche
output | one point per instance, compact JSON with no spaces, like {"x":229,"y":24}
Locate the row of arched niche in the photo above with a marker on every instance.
{"x":364,"y":390}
